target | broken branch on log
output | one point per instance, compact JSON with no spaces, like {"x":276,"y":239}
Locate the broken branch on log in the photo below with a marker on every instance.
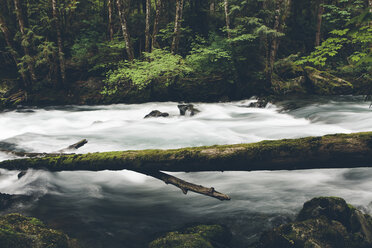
{"x":74,"y":146}
{"x":186,"y":186}
{"x":43,"y":154}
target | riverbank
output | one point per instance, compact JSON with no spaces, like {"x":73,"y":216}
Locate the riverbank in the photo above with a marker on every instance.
{"x":291,"y":81}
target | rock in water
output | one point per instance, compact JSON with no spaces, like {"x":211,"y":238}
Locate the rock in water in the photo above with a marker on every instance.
{"x":323,"y":222}
{"x":156,"y":113}
{"x":201,"y":236}
{"x":187,"y":108}
{"x":9,"y":201}
{"x":17,"y":231}
{"x":22,"y":174}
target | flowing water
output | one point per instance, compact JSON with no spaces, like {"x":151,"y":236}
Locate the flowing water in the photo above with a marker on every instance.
{"x":126,"y":209}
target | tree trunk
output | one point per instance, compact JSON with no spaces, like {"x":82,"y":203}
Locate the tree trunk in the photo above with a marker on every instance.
{"x":155,"y":31}
{"x":147,"y":29}
{"x":227,"y":17}
{"x":124,"y":27}
{"x":319,"y":22}
{"x":281,"y":14}
{"x":330,"y":151}
{"x":9,"y":43}
{"x":27,"y":52}
{"x":212,"y":6}
{"x":177,"y":26}
{"x":111,"y":28}
{"x":61,"y":55}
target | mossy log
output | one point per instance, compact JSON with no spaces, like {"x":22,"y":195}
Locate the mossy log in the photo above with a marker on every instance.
{"x":329,"y":151}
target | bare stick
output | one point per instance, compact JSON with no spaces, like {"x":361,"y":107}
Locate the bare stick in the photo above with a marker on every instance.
{"x":186,"y":186}
{"x":43,"y":154}
{"x":74,"y":146}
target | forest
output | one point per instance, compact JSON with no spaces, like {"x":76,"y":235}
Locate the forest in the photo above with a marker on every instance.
{"x":265,"y":102}
{"x":135,"y":51}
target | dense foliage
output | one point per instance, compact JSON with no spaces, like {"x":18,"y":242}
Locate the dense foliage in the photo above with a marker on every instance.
{"x":54,"y":43}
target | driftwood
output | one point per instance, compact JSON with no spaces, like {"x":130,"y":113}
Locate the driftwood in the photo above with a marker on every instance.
{"x":329,"y":151}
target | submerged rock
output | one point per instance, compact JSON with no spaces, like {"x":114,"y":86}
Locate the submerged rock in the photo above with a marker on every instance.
{"x":323,"y":222}
{"x":17,"y":231}
{"x":184,"y":108}
{"x":156,"y":113}
{"x":8,"y":201}
{"x":324,"y":83}
{"x":201,"y":236}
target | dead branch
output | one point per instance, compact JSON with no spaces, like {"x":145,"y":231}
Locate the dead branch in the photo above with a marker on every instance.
{"x":186,"y":186}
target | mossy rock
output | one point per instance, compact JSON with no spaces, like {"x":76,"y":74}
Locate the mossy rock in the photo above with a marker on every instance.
{"x":323,"y":222}
{"x":17,"y":231}
{"x":287,"y":69}
{"x":201,"y":236}
{"x":290,"y":86}
{"x":324,"y":83}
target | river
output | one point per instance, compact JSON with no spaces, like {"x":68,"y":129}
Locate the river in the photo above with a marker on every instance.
{"x":126,"y":209}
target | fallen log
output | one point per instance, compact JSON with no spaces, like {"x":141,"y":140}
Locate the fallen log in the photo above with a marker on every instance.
{"x":329,"y":151}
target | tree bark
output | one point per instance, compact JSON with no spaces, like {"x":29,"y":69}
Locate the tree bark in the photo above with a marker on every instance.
{"x":330,"y":151}
{"x":155,"y":31}
{"x":319,"y":22}
{"x":212,"y":6}
{"x":61,"y":56}
{"x":9,"y":43}
{"x":281,"y":14}
{"x":177,"y":26}
{"x":227,"y":18}
{"x":111,"y":28}
{"x":124,"y":27}
{"x":21,"y":24}
{"x":147,"y":29}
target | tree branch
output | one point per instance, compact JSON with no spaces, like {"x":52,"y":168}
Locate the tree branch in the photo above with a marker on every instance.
{"x":186,"y":186}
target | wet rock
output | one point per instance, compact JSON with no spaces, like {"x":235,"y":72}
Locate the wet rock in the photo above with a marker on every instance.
{"x":201,"y":236}
{"x":8,"y":201}
{"x":187,"y":108}
{"x":324,"y":83}
{"x":17,"y":231}
{"x":261,"y":103}
{"x":156,"y":113}
{"x":21,"y":174}
{"x":323,"y":222}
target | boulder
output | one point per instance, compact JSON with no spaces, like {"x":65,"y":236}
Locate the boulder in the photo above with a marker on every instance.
{"x":156,"y":113}
{"x":261,"y":103}
{"x":201,"y":236}
{"x":187,"y":108}
{"x":324,"y":83}
{"x":17,"y":231}
{"x":323,"y":222}
{"x":295,"y":85}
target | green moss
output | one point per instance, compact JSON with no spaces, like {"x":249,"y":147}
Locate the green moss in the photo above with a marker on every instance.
{"x":17,"y":231}
{"x":324,"y":83}
{"x":201,"y":236}
{"x":177,"y":240}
